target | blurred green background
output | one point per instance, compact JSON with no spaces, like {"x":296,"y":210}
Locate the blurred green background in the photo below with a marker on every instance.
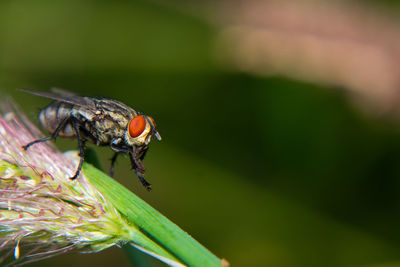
{"x":263,"y":171}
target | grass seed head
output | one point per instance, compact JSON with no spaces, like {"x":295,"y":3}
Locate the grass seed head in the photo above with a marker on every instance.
{"x":43,"y":212}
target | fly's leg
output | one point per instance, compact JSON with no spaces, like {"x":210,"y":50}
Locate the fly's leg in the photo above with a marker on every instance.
{"x":144,"y":153}
{"x":144,"y":182}
{"x":137,"y":165}
{"x":113,"y":160}
{"x":81,"y":144}
{"x":52,"y":136}
{"x":117,"y":151}
{"x":136,"y":162}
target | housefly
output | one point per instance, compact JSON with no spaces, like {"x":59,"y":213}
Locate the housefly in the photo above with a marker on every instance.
{"x":103,"y":121}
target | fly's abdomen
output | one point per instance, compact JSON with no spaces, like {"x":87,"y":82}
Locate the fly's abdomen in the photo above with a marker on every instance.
{"x":53,"y":115}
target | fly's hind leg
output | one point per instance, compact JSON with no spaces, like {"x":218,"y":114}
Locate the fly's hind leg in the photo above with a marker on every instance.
{"x":81,"y":144}
{"x":52,"y":136}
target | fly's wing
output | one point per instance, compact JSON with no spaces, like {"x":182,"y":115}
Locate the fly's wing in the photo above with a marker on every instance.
{"x":76,"y":100}
{"x":62,"y":92}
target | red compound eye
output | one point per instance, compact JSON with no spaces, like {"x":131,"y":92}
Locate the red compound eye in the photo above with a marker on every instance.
{"x":137,"y":126}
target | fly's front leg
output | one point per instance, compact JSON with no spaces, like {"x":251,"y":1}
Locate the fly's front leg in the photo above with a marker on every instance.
{"x":52,"y":136}
{"x":137,"y":165}
{"x":136,"y":160}
{"x":143,"y":152}
{"x":81,"y":144}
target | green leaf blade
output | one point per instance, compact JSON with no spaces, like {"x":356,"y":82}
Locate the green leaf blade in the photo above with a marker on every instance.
{"x":164,"y":232}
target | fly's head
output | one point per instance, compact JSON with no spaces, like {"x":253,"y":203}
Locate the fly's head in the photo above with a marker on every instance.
{"x":140,"y":130}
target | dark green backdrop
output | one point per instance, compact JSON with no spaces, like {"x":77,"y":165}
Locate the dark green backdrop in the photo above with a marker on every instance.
{"x":262,"y":171}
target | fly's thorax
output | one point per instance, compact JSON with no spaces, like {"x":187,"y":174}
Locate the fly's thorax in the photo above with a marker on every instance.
{"x":107,"y":126}
{"x":84,"y":114}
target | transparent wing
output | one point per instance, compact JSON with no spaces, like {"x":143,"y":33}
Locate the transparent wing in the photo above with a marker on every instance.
{"x":70,"y":98}
{"x":63,"y":92}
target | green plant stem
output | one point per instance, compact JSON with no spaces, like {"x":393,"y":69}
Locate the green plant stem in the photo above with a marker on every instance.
{"x":136,"y":257}
{"x":155,"y":225}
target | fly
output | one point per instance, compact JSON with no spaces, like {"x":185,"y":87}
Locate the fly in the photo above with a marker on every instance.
{"x":103,"y":121}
